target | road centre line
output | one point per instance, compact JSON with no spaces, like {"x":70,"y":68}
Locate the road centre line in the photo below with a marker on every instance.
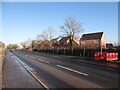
{"x":72,"y":70}
{"x":44,"y":61}
{"x":32,"y":57}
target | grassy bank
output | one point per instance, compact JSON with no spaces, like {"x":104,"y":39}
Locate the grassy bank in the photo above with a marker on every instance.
{"x":2,"y":53}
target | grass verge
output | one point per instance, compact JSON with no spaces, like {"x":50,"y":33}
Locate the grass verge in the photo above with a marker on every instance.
{"x":79,"y":57}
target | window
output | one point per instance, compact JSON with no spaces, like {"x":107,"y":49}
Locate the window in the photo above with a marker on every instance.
{"x":96,"y":41}
{"x":58,"y":42}
{"x":83,"y":42}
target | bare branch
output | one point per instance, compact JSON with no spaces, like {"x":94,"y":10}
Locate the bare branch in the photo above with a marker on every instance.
{"x":71,"y":28}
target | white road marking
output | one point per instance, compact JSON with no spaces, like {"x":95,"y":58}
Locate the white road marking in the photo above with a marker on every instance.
{"x":72,"y":70}
{"x":32,"y":57}
{"x":44,"y":61}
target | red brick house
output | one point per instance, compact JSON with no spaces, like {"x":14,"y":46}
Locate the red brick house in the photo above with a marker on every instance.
{"x":65,"y":42}
{"x":93,"y":40}
{"x":42,"y":44}
{"x":109,"y":45}
{"x":55,"y":42}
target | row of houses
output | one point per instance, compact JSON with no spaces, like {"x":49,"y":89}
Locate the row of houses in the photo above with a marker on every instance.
{"x":90,"y":40}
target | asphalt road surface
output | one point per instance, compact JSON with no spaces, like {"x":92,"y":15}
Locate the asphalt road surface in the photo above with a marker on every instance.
{"x":59,"y":72}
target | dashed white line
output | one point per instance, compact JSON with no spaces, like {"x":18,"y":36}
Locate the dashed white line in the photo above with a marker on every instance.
{"x":32,"y":57}
{"x":44,"y":61}
{"x":40,"y":60}
{"x":72,"y":70}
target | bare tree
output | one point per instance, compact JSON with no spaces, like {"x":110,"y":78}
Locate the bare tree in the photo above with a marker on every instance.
{"x":51,"y":33}
{"x":23,"y":44}
{"x":42,"y":37}
{"x":71,"y":29}
{"x":48,"y":34}
{"x":26,"y":43}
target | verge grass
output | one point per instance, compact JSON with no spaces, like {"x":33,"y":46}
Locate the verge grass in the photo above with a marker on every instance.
{"x":79,"y":57}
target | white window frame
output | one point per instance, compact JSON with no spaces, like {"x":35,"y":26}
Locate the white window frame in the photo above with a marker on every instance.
{"x":96,"y":41}
{"x":83,"y":42}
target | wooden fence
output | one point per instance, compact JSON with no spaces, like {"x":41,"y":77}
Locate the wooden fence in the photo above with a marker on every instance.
{"x":76,"y":51}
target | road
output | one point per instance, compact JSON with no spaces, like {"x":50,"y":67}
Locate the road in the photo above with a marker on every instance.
{"x":60,"y":72}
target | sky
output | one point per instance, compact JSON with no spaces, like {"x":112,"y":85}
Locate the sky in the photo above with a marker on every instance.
{"x":25,"y":20}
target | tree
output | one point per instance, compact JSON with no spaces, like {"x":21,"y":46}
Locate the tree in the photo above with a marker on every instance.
{"x":33,"y":43}
{"x":42,"y":37}
{"x":15,"y":46}
{"x":23,"y":44}
{"x":26,"y":43}
{"x":48,"y":34}
{"x":71,"y":29}
{"x":10,"y":46}
{"x":2,"y":45}
{"x":51,"y":33}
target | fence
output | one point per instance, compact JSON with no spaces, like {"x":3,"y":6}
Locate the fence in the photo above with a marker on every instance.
{"x":76,"y":51}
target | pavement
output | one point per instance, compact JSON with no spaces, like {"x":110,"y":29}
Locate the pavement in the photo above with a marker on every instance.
{"x":15,"y":76}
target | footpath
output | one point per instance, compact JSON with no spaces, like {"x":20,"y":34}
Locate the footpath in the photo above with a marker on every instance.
{"x":15,"y":76}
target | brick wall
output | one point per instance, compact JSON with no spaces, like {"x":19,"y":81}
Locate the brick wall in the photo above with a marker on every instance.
{"x":90,"y":43}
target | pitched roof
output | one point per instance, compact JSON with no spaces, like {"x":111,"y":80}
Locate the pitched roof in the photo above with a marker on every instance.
{"x":64,"y":39}
{"x":55,"y":39}
{"x":43,"y":42}
{"x":92,"y":36}
{"x":38,"y":42}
